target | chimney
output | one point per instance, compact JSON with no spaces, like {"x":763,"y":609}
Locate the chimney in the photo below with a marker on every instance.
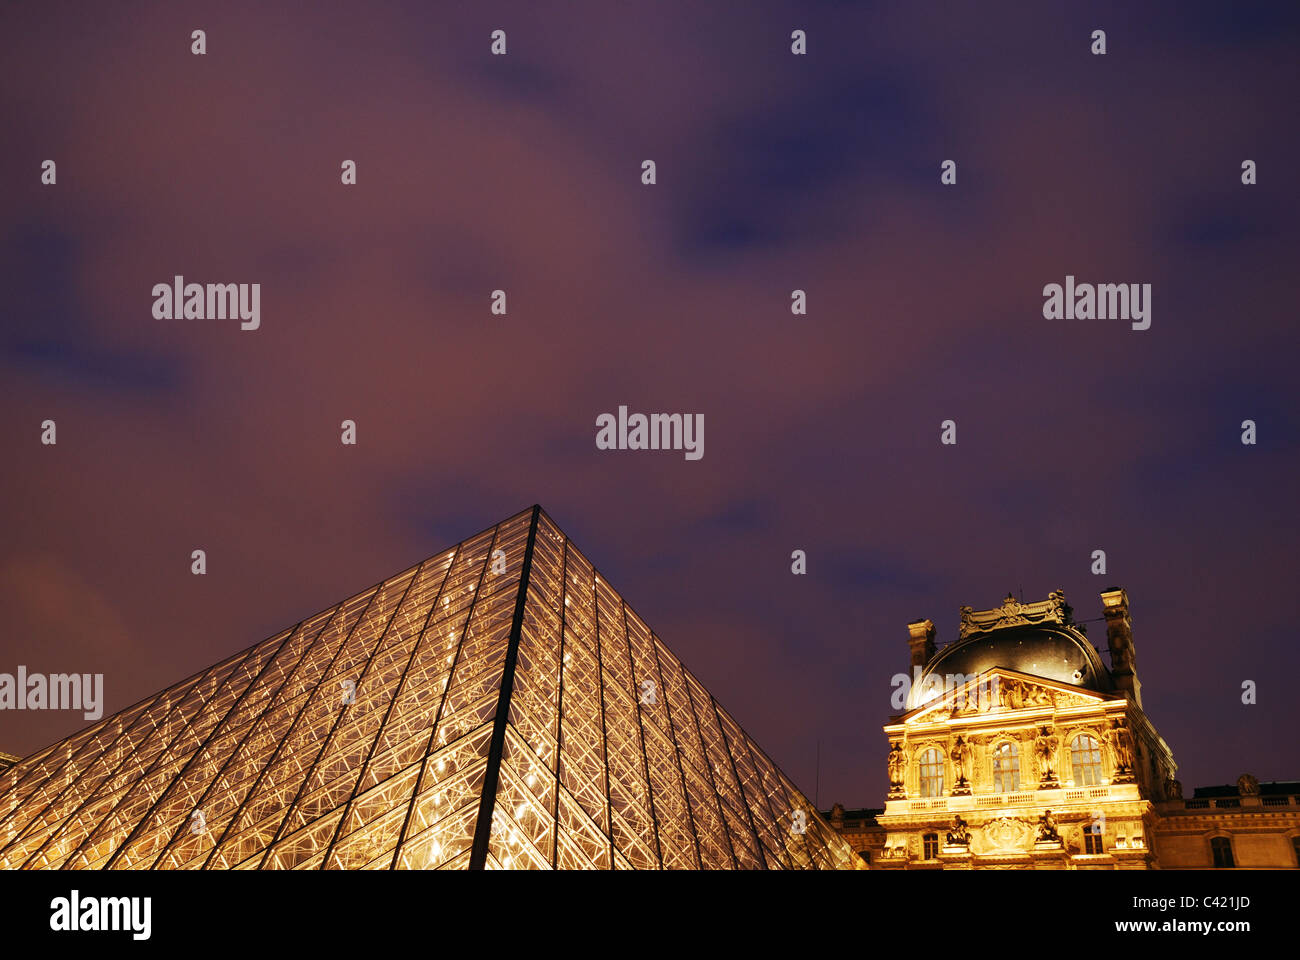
{"x":921,"y":641}
{"x":1119,"y":637}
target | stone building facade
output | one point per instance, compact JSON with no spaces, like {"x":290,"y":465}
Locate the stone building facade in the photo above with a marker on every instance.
{"x":1018,"y":748}
{"x":1248,"y":824}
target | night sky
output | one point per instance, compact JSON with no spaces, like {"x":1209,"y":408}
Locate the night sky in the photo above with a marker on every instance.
{"x":775,"y":172}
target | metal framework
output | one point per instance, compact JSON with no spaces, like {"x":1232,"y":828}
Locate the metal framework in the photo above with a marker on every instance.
{"x":497,"y":706}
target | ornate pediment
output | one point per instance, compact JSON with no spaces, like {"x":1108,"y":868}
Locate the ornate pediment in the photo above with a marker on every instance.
{"x":1013,"y":613}
{"x":996,"y":691}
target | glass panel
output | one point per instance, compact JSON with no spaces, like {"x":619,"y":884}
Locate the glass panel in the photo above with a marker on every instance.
{"x":362,"y":738}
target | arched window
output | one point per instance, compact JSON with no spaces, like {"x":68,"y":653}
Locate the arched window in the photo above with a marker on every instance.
{"x":1006,"y":768}
{"x":1221,"y":847}
{"x":1092,"y":837}
{"x":1085,"y":758}
{"x":932,"y":774}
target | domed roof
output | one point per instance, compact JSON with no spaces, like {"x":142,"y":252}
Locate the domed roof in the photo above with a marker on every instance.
{"x":1049,"y":650}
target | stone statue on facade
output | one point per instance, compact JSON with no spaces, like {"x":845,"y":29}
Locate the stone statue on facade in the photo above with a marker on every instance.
{"x":960,"y":754}
{"x":1045,"y":747}
{"x":1061,"y":611}
{"x":959,"y":835}
{"x":1121,"y":748}
{"x":1047,"y":832}
{"x":897,"y":764}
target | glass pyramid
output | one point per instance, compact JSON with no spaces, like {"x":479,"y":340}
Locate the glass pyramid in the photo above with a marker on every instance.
{"x":497,"y":706}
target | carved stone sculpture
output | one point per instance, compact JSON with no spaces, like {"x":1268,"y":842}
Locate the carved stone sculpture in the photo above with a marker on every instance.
{"x":897,"y":764}
{"x":959,"y":835}
{"x":1012,"y":694}
{"x":1047,"y":828}
{"x":1045,"y":747}
{"x":1037,"y":697}
{"x":1061,"y":611}
{"x":1013,"y":612}
{"x":1120,"y":743}
{"x":960,"y":754}
{"x":1007,"y":834}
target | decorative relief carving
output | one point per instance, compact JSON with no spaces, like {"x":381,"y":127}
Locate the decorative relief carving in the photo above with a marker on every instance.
{"x":925,"y":745}
{"x":1012,"y":613}
{"x":1006,"y":834}
{"x":1074,"y":699}
{"x":938,"y":711}
{"x":1083,"y":731}
{"x":990,"y":691}
{"x":1017,"y":695}
{"x":965,"y":701}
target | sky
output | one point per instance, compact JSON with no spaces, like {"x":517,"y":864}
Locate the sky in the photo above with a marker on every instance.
{"x":774,"y":172}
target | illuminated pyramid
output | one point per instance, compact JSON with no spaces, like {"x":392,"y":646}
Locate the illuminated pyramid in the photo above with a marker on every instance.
{"x":496,"y":706}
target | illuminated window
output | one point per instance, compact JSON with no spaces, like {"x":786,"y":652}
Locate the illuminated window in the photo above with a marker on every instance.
{"x":930,"y":846}
{"x":1092,"y":838}
{"x":1006,"y":768}
{"x":932,"y":774}
{"x":1221,"y":847}
{"x":1085,"y":758}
